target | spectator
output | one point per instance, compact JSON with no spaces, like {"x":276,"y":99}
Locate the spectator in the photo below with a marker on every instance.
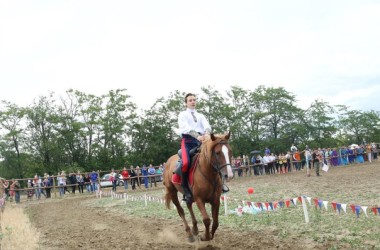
{"x":255,"y":167}
{"x":288,"y":157}
{"x":160,"y":171}
{"x":134,"y":178}
{"x":317,"y":160}
{"x":308,"y":161}
{"x":73,"y":182}
{"x":344,"y":156}
{"x":87,"y":182}
{"x":12,"y":190}
{"x":271,"y":163}
{"x":80,"y":181}
{"x":152,"y":171}
{"x":47,"y":183}
{"x":293,"y":149}
{"x":267,"y":151}
{"x":144,"y":172}
{"x":30,"y":190}
{"x":375,"y":151}
{"x":138,"y":174}
{"x":17,"y":188}
{"x":360,"y":152}
{"x":6,"y":189}
{"x":113,"y":179}
{"x":259,"y":160}
{"x":368,"y":150}
{"x":297,"y":160}
{"x":61,"y":180}
{"x":266,"y":161}
{"x":238,"y":164}
{"x":125,"y":176}
{"x":93,"y":180}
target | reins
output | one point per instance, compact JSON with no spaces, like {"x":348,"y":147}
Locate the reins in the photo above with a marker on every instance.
{"x":216,"y":166}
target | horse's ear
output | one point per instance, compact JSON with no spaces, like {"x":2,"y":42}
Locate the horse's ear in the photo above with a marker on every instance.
{"x":227,"y":137}
{"x":212,"y":136}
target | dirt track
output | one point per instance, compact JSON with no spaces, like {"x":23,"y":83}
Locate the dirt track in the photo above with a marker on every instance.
{"x":70,"y":224}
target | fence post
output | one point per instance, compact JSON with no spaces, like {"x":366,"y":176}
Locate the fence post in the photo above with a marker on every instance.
{"x":225,"y":205}
{"x":305,"y":209}
{"x":54,"y":190}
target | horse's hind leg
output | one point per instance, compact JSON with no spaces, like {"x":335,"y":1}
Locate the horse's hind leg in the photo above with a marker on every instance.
{"x":193,"y":219}
{"x":181,"y":213}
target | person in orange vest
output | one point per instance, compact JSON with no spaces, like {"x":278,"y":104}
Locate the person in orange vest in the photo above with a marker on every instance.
{"x":297,"y":160}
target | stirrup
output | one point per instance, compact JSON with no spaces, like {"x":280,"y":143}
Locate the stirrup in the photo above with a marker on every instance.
{"x":187,"y":198}
{"x":225,"y":189}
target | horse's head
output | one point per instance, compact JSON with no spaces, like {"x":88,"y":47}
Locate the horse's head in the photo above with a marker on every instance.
{"x":220,"y":153}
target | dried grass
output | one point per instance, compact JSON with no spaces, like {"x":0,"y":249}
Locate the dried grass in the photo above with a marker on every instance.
{"x":16,"y":230}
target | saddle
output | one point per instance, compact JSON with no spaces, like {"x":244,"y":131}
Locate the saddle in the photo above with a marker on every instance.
{"x":192,"y":152}
{"x":177,"y":174}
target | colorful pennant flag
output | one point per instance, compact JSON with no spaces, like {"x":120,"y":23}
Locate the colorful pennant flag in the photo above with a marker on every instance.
{"x":344,"y":206}
{"x":294,"y":201}
{"x":365,"y":210}
{"x":287,"y":203}
{"x":325,"y":204}
{"x":309,"y":200}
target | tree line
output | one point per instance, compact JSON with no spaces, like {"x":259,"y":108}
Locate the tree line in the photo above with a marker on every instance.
{"x":81,"y":131}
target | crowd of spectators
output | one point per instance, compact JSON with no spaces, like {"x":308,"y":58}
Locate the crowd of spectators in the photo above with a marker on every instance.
{"x":41,"y":186}
{"x":296,"y":160}
{"x":134,"y":177}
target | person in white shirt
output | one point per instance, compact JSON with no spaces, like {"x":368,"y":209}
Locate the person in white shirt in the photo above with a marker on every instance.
{"x":266,"y":161}
{"x":194,"y":128}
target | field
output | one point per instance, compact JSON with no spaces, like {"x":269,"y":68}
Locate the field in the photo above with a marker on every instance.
{"x":85,"y":222}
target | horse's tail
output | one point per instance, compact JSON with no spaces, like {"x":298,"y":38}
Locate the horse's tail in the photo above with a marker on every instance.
{"x":168,"y":199}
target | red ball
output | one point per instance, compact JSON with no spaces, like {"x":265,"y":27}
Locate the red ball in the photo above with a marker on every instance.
{"x":250,"y":190}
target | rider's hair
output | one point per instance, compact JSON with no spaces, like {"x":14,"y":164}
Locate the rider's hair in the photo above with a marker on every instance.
{"x":187,"y":95}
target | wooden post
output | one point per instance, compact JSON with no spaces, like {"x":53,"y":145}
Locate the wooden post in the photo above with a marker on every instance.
{"x":54,"y":189}
{"x":305,"y":209}
{"x":225,"y":205}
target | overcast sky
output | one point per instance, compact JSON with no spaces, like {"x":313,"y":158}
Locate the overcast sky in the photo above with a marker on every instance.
{"x":314,"y":49}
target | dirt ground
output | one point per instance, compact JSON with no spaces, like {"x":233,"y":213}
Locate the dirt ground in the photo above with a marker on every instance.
{"x":71,"y":224}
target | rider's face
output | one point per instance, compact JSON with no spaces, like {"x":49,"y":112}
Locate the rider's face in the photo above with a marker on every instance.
{"x":191,"y":102}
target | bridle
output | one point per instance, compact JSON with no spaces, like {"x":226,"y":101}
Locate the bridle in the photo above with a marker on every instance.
{"x":216,"y":165}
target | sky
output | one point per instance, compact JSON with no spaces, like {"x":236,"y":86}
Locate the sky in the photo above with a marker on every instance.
{"x":327,"y":50}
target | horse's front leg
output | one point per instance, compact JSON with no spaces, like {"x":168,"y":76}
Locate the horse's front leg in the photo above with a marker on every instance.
{"x":215,"y":217}
{"x":181,"y":213}
{"x":193,"y":219}
{"x":206,"y":219}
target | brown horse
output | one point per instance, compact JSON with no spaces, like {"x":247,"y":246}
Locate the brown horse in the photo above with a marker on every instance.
{"x":213,"y":164}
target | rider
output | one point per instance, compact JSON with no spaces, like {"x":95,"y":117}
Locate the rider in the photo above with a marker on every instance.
{"x":194,"y":128}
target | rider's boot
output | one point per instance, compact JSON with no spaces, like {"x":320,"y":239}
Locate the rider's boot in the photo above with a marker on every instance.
{"x":186,"y":189}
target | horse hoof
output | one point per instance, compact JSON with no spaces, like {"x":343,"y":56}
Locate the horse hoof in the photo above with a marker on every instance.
{"x":191,"y":239}
{"x":204,"y":238}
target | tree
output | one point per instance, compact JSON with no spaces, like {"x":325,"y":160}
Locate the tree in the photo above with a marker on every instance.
{"x":321,"y":122}
{"x":11,"y":120}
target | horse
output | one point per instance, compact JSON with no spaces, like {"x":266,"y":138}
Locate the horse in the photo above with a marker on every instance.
{"x":210,"y":165}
